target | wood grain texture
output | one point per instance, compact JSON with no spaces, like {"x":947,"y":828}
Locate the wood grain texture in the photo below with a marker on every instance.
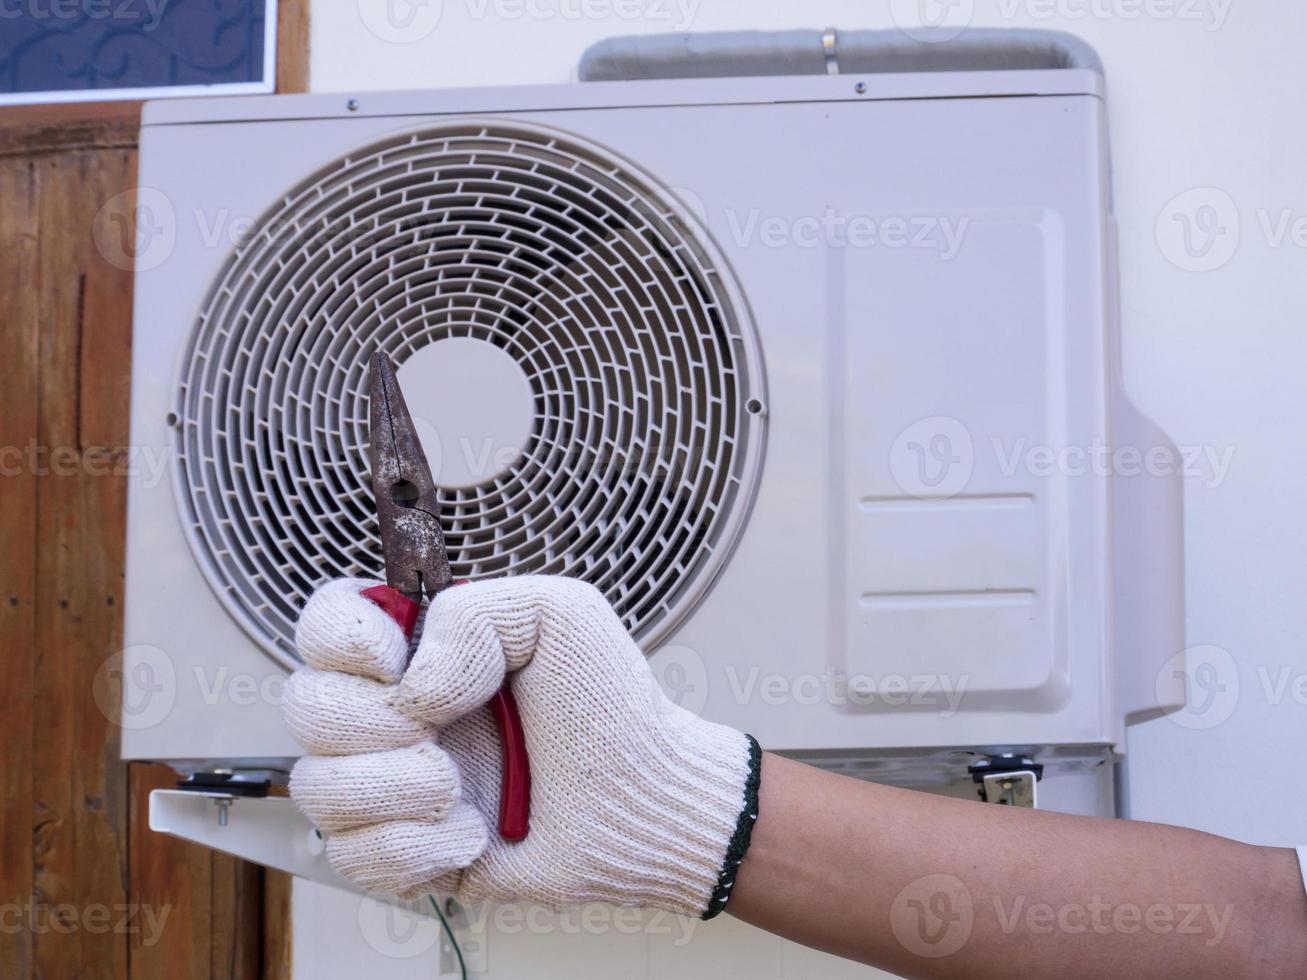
{"x":216,"y":911}
{"x":277,"y":963}
{"x":172,"y":878}
{"x":94,"y":892}
{"x":292,"y":46}
{"x":19,"y":393}
{"x":78,"y":784}
{"x":34,"y":129}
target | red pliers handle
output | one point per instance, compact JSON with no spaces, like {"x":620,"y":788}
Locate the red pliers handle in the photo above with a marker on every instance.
{"x":515,"y":789}
{"x":416,"y":564}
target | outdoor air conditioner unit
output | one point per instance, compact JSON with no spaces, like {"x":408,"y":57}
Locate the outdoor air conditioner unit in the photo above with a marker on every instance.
{"x":816,"y":377}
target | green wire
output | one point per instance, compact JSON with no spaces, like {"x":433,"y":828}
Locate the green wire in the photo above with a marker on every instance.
{"x":462,"y":967}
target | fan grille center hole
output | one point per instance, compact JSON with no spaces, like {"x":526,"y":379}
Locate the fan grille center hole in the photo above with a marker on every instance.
{"x":472,"y":407}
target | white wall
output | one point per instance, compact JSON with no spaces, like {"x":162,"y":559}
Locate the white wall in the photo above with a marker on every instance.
{"x":1202,"y":94}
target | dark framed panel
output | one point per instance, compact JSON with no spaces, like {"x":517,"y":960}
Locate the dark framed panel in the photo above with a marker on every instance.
{"x":100,"y":50}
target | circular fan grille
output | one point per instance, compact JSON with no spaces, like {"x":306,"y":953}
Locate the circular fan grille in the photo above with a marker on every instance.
{"x":644,"y":372}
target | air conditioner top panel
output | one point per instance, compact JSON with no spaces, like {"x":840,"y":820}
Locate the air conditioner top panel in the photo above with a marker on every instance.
{"x":611,"y":95}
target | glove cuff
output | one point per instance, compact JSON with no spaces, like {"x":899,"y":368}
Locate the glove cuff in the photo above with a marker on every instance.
{"x":700,"y":796}
{"x":739,"y":844}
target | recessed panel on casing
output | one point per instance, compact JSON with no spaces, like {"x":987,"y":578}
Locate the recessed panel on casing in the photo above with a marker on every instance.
{"x":955,"y":380}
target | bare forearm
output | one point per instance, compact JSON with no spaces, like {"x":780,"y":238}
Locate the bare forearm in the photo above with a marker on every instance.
{"x":927,"y":886}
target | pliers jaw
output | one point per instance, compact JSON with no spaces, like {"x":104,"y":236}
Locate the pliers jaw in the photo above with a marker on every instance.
{"x":412,"y":540}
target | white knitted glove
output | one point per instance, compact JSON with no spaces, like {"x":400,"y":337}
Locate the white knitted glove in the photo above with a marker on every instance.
{"x":634,"y":800}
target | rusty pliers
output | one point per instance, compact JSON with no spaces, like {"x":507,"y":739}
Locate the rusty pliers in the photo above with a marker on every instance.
{"x":413,"y":544}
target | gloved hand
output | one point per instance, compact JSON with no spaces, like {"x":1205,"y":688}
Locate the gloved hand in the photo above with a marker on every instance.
{"x":634,"y":800}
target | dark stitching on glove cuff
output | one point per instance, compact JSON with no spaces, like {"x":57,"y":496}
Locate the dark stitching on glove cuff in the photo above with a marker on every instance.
{"x":739,"y":845}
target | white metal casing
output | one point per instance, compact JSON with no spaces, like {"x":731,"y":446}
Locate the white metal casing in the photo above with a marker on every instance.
{"x":973,"y":593}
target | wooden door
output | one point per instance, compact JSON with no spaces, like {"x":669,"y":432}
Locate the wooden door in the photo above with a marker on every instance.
{"x":86,"y":889}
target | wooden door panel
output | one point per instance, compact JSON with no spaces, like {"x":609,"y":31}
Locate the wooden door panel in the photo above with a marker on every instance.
{"x":86,"y":889}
